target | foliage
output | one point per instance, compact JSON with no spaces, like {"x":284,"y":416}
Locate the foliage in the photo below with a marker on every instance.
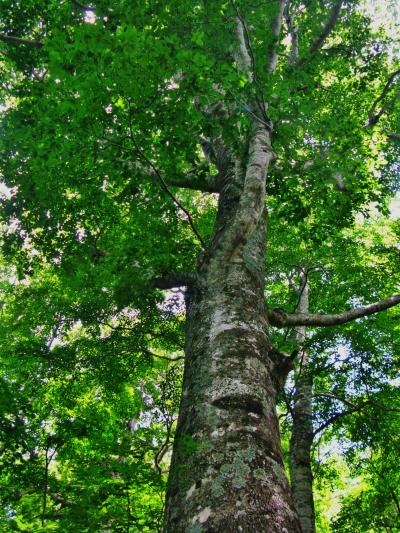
{"x":375,"y":455}
{"x":100,"y":121}
{"x":86,"y":417}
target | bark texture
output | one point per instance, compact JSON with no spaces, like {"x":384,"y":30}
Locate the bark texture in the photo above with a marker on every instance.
{"x":227,"y":471}
{"x":302,"y":432}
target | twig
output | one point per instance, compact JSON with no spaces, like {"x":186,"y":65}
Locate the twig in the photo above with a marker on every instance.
{"x":287,"y":402}
{"x":48,"y":459}
{"x":336,"y":416}
{"x":373,"y":118}
{"x":331,"y":395}
{"x":166,"y":189}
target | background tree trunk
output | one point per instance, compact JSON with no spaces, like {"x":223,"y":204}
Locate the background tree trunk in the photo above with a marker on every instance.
{"x":302,"y":432}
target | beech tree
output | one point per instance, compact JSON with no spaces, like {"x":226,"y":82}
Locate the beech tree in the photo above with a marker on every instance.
{"x":143,"y":148}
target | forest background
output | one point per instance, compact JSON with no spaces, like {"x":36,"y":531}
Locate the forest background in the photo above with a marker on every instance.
{"x":110,"y":158}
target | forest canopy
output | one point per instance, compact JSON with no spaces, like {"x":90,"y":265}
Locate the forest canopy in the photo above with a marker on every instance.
{"x":199,"y":269}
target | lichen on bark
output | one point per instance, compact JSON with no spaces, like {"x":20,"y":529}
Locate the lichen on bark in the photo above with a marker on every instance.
{"x":231,"y":378}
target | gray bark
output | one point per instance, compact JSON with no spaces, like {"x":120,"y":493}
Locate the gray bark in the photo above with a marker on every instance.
{"x":276,"y":30}
{"x":302,"y":413}
{"x":302,"y":431}
{"x":227,"y":471}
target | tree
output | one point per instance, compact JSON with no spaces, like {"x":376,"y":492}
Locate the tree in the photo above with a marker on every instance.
{"x":328,"y":387}
{"x":142,"y":148}
{"x":377,"y":505}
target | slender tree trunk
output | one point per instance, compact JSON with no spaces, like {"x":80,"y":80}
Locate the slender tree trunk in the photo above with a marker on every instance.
{"x":227,"y":471}
{"x":45,"y":486}
{"x":302,"y":433}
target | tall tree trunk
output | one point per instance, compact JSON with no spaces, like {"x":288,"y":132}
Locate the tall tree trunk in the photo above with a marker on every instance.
{"x":227,"y":471}
{"x":302,"y":432}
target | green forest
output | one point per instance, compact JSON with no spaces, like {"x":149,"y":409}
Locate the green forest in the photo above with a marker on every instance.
{"x":200,"y":266}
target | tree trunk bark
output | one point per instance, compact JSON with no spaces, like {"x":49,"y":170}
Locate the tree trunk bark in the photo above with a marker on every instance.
{"x":227,"y":471}
{"x":302,"y":432}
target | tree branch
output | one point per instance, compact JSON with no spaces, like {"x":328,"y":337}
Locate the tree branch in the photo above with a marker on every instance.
{"x":335,"y":397}
{"x":372,"y":121}
{"x":280,"y":319}
{"x":336,"y":416}
{"x":326,"y":30}
{"x":170,"y":359}
{"x":353,"y":409}
{"x":82,"y":6}
{"x":293,"y":30}
{"x":163,"y":449}
{"x":196,"y":179}
{"x":198,"y":183}
{"x":165,"y":357}
{"x":246,"y":63}
{"x":17,"y":41}
{"x":243,"y":56}
{"x":372,"y":116}
{"x":171,"y":280}
{"x":276,"y":25}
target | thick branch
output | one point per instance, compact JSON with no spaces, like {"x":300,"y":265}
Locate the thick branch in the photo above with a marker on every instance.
{"x":372,"y":121}
{"x":244,"y":59}
{"x":81,"y":6}
{"x":171,"y":280}
{"x":17,"y":41}
{"x":170,"y":359}
{"x":165,"y":357}
{"x":276,"y":25}
{"x":281,"y":320}
{"x":319,"y":41}
{"x":294,"y":37}
{"x":246,"y":63}
{"x":326,"y":30}
{"x":250,"y":209}
{"x":197,"y":183}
